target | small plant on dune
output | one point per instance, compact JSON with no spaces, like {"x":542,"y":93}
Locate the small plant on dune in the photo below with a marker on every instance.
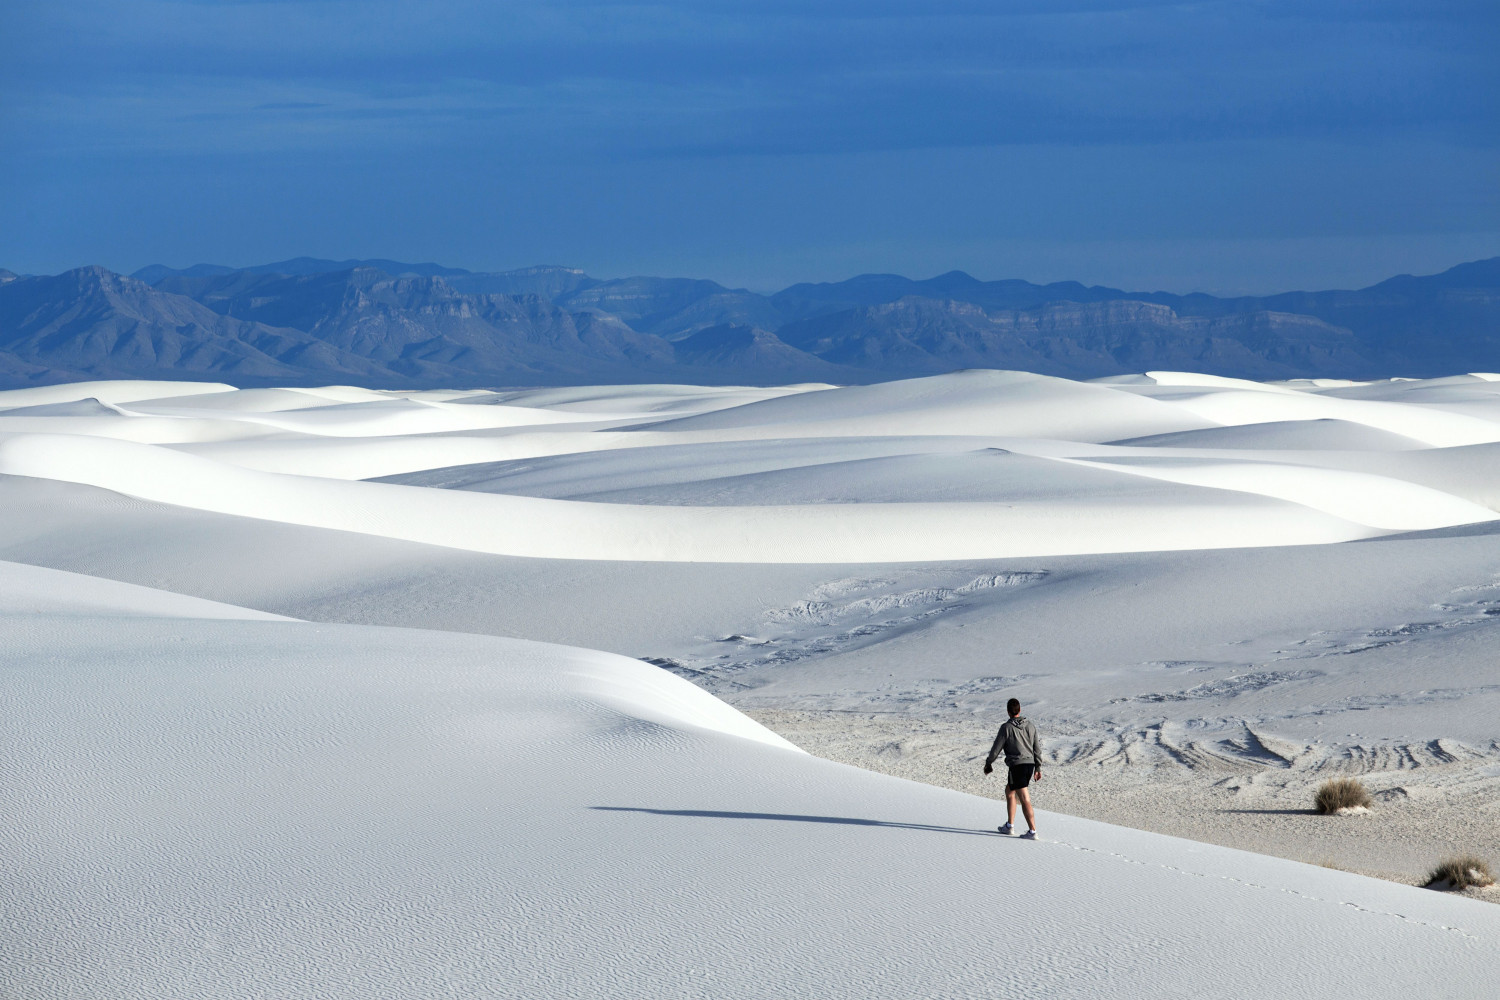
{"x":1339,"y":794}
{"x":1462,"y":872}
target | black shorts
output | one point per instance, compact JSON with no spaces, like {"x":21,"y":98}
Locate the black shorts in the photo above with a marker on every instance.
{"x":1020,"y":776}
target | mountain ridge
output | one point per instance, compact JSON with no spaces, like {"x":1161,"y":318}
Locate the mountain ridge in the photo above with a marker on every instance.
{"x":310,"y":320}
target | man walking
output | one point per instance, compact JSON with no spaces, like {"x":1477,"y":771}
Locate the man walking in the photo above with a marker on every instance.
{"x":1023,"y":759}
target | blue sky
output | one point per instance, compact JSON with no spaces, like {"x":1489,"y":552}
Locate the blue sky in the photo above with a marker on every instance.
{"x":1214,"y":146}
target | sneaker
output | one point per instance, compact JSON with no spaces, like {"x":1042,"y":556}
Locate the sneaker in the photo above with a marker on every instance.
{"x":1004,"y":830}
{"x":1029,"y":835}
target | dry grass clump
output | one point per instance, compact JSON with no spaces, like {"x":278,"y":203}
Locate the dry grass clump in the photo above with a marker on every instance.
{"x":1339,"y":794}
{"x":1462,"y":872}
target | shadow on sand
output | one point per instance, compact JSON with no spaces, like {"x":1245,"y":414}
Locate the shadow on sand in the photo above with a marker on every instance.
{"x":1272,"y":812}
{"x":794,"y":818}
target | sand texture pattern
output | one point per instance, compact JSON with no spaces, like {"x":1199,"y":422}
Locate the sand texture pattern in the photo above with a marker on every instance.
{"x":341,"y":692}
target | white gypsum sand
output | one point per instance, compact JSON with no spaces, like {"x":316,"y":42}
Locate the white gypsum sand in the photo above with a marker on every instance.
{"x":1211,"y":594}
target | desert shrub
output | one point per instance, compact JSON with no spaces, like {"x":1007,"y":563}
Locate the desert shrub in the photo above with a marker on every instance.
{"x":1462,"y":872}
{"x":1341,"y":793}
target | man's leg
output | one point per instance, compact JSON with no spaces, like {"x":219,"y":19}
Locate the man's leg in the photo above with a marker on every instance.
{"x":1010,"y":807}
{"x":1025,"y":796}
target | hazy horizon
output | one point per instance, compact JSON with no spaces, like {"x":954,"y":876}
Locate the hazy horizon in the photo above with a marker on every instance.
{"x":1127,"y":286}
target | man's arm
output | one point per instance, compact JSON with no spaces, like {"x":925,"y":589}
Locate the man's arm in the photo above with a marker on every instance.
{"x":989,"y":762}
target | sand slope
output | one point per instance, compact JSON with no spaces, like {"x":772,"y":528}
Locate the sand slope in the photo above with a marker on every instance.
{"x":1210,"y":586}
{"x":254,"y":807}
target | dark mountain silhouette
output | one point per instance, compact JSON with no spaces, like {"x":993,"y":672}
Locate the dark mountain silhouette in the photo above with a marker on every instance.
{"x":93,"y":323}
{"x":153,"y":273}
{"x":1080,"y":340}
{"x":361,"y":325}
{"x":1428,"y":325}
{"x":804,"y":301}
{"x":1445,"y":322}
{"x":389,"y":323}
{"x":733,"y":347}
{"x":669,"y":307}
{"x":411,"y":323}
{"x":546,"y":280}
{"x":675,"y":307}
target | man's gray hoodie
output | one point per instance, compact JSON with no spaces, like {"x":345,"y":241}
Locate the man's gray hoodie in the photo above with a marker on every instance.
{"x":1020,"y":742}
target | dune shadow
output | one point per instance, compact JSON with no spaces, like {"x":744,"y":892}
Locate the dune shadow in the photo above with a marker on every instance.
{"x":1456,"y":531}
{"x":797,"y":818}
{"x":1272,"y":812}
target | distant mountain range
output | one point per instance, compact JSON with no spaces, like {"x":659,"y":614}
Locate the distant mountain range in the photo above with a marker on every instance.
{"x":386,"y":323}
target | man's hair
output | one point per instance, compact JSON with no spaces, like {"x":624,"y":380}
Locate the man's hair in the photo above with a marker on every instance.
{"x":1013,"y":707}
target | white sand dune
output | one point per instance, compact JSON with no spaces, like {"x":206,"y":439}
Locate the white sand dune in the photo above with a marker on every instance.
{"x":228,"y":775}
{"x":1376,"y":501}
{"x":121,"y":391}
{"x":245,"y":808}
{"x":1012,"y":404}
{"x":1448,"y":411}
{"x":824,"y":533}
{"x":614,"y":401}
{"x":801,"y":503}
{"x":1323,"y":434}
{"x":376,"y":418}
{"x":33,"y":590}
{"x":379,"y":457}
